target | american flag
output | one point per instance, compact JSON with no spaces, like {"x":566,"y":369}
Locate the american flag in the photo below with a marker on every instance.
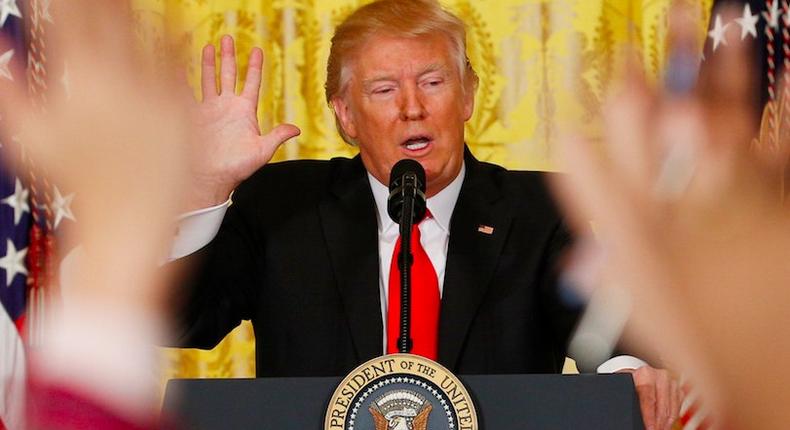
{"x":27,"y":205}
{"x":765,"y":26}
{"x":15,"y":222}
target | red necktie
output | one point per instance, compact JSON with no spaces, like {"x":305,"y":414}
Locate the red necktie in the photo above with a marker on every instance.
{"x":424,"y":301}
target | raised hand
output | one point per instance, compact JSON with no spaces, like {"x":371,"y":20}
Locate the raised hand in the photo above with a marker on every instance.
{"x":230,"y":146}
{"x":120,"y":143}
{"x":692,"y":232}
{"x":118,"y":139}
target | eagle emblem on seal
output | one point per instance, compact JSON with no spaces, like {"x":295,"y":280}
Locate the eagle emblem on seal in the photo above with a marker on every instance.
{"x":401,"y":410}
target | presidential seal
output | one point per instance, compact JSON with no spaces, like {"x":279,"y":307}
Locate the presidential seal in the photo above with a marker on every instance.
{"x":400,"y":392}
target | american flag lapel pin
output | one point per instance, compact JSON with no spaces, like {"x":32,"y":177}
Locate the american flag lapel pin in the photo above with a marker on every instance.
{"x":485,"y":229}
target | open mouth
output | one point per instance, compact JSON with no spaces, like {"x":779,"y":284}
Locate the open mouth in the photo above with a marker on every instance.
{"x":417,"y":143}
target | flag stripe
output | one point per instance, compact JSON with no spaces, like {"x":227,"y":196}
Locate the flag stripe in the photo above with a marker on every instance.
{"x":12,"y":375}
{"x":15,"y":221}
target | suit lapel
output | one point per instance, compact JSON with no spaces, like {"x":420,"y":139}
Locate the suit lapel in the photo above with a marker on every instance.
{"x":348,"y":217}
{"x":478,"y":229}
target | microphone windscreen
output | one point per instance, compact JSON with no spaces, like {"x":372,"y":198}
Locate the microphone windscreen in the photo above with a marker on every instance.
{"x":414,"y":187}
{"x":402,"y":167}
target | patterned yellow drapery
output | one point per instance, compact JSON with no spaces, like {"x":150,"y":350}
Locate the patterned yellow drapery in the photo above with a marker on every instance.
{"x":544,"y":66}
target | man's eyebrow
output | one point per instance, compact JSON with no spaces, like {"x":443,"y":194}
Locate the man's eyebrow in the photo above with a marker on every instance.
{"x":431,"y":68}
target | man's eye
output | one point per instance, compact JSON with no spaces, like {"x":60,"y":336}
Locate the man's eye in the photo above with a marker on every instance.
{"x":384,"y":90}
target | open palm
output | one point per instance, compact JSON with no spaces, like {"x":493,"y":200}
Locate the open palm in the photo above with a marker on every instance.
{"x":230,"y":144}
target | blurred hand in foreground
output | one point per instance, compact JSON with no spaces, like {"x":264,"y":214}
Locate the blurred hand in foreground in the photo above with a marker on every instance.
{"x":120,"y":143}
{"x":689,"y":226}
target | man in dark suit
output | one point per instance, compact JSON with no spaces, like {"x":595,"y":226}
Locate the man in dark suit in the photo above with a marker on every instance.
{"x":297,"y":255}
{"x":305,"y":250}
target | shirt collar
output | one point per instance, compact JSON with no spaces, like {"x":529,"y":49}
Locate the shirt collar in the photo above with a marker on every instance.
{"x":441,"y":205}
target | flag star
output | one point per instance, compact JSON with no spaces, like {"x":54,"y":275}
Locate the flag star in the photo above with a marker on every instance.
{"x":772,"y":16}
{"x":13,"y":262}
{"x":18,"y":201}
{"x":8,"y":7}
{"x":748,"y":22}
{"x":4,"y":60}
{"x":718,"y":33}
{"x":62,"y":207}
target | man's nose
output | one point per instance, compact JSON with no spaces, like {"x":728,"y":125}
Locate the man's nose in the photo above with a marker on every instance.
{"x":412,"y":106}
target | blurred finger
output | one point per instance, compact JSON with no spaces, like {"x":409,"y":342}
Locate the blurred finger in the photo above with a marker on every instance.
{"x":679,"y":126}
{"x":729,"y":90}
{"x":628,"y":123}
{"x":647,"y":404}
{"x":208,"y":72}
{"x":662,"y":399}
{"x":682,"y":71}
{"x":227,"y":66}
{"x":587,"y":191}
{"x":680,"y":132}
{"x":252,"y":85}
{"x":89,"y":29}
{"x":674,"y":401}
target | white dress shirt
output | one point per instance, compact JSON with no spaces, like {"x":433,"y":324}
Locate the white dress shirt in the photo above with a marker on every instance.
{"x":434,"y":235}
{"x":198,"y":228}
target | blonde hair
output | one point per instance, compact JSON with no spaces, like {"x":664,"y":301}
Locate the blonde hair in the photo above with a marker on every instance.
{"x":400,"y":18}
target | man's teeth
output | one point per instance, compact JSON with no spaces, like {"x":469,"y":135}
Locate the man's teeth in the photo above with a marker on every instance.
{"x":416,"y":146}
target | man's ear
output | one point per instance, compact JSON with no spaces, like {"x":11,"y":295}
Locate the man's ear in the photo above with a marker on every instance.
{"x":470,"y":89}
{"x":344,"y":117}
{"x":469,"y":102}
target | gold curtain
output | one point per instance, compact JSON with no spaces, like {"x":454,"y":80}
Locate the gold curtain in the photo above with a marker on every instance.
{"x":544,"y":66}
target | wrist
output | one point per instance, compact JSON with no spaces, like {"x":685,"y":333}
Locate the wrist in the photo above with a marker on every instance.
{"x":205,"y":196}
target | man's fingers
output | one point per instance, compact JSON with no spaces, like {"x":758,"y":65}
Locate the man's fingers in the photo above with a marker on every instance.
{"x":674,"y":402}
{"x":647,"y":404}
{"x":663,"y":401}
{"x":252,"y":85}
{"x":208,"y":72}
{"x":227,"y":66}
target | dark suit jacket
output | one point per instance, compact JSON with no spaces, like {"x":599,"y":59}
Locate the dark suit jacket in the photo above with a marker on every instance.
{"x":297,"y":254}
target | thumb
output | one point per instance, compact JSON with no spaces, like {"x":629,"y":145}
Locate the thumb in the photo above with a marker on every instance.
{"x":279,"y":135}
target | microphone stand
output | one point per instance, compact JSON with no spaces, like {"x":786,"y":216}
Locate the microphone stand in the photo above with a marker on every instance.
{"x":405,"y":261}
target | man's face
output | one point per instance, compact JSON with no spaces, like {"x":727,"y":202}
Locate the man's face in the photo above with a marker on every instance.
{"x":405,"y":99}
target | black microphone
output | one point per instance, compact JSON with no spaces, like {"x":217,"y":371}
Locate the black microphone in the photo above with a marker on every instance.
{"x":407,"y":188}
{"x":406,"y":206}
